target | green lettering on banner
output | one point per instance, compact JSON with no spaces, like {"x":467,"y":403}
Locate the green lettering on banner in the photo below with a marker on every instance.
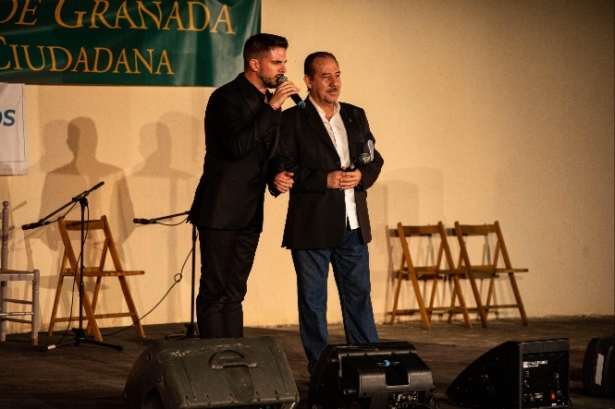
{"x":125,"y":42}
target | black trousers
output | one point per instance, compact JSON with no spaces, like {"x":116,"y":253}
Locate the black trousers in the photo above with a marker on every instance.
{"x":226,"y":261}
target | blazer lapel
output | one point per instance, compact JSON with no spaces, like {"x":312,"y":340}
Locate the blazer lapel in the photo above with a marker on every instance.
{"x":247,"y":92}
{"x":355,"y":140}
{"x":255,"y":103}
{"x":315,"y":121}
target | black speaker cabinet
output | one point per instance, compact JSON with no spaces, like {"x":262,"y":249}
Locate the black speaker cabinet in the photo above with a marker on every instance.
{"x":383,"y":375}
{"x":516,"y":375}
{"x":212,"y":373}
{"x":599,"y":367}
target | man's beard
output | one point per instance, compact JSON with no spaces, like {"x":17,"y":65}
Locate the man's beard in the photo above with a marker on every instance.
{"x":269,"y":82}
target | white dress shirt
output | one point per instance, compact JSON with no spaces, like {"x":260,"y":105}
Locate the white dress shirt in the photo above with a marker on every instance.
{"x":337,"y":131}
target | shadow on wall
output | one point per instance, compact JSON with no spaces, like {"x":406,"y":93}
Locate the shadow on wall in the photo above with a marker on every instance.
{"x":83,"y":172}
{"x":4,"y":189}
{"x":415,"y":196}
{"x":156,"y":174}
{"x":386,"y":201}
{"x":173,"y":187}
{"x":164,"y":182}
{"x":164,"y":188}
{"x":410,"y":196}
{"x":54,"y":135}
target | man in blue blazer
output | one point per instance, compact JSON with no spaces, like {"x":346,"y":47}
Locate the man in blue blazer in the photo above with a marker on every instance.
{"x":328,"y":149}
{"x":242,"y":122}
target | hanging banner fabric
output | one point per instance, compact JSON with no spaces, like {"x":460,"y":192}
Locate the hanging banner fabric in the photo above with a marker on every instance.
{"x":13,"y":152}
{"x":129,"y":42}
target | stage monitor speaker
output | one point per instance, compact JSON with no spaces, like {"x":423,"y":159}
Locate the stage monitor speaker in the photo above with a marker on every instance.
{"x":516,"y":375}
{"x":383,"y":375}
{"x":212,"y":373}
{"x":599,"y":367}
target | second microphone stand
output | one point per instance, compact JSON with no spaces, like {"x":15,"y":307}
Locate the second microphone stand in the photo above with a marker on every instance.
{"x":80,"y":334}
{"x":192,"y":331}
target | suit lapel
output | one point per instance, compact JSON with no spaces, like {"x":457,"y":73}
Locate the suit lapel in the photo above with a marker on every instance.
{"x":355,"y":141}
{"x":247,"y":92}
{"x":252,"y":99}
{"x":315,"y":121}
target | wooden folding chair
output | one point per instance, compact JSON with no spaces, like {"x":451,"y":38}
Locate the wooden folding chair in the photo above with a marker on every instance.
{"x":489,"y":268}
{"x":26,"y":316}
{"x":432,"y":269}
{"x":71,"y":268}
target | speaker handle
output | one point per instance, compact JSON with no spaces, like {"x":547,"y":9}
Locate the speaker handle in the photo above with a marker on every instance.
{"x":230,"y":359}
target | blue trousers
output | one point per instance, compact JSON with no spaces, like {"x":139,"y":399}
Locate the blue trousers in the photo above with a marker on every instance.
{"x":350,"y":262}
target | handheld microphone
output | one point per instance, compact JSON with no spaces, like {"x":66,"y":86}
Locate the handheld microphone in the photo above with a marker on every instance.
{"x":295,"y":97}
{"x":365,"y":157}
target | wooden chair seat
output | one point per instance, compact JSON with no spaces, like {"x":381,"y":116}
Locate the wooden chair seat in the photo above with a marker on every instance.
{"x":489,"y":270}
{"x":94,"y":272}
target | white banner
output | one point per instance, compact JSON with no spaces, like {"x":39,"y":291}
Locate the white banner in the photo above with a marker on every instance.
{"x":13,"y":152}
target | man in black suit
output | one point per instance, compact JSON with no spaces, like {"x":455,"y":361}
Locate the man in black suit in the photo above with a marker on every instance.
{"x":242,"y":122}
{"x":328,"y":148}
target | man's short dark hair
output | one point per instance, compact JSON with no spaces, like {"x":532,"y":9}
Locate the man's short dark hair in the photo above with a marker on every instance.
{"x":260,"y":44}
{"x":308,"y":65}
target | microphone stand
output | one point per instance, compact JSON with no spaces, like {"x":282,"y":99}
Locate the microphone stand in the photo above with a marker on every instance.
{"x":44,"y":221}
{"x":192,"y":331}
{"x":80,"y":335}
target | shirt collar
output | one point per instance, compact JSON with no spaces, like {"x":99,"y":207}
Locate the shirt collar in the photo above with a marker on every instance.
{"x":321,"y":112}
{"x":262,"y":97}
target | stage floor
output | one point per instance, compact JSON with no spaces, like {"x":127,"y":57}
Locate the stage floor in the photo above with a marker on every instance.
{"x":89,"y":376}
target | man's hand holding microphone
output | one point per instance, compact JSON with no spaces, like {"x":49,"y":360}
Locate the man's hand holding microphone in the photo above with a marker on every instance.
{"x":284,"y":90}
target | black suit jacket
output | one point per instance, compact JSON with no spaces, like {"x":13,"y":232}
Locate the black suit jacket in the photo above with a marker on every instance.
{"x":316,"y":215}
{"x":240,"y":133}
